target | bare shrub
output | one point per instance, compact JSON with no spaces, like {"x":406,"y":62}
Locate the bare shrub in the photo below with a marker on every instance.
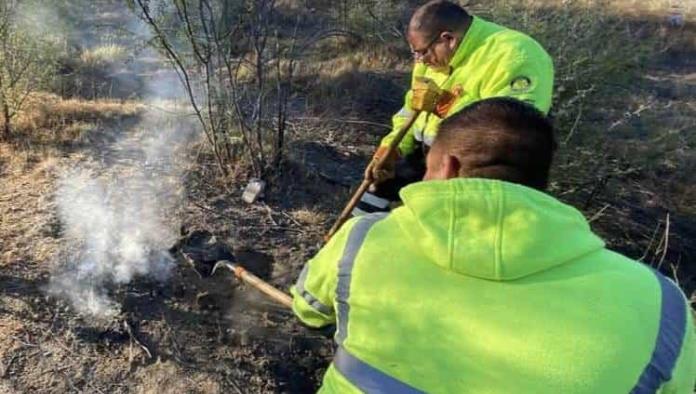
{"x":236,"y":62}
{"x":27,"y":61}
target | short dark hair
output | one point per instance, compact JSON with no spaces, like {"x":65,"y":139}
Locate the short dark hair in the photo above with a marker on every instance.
{"x":500,"y":138}
{"x":437,"y":16}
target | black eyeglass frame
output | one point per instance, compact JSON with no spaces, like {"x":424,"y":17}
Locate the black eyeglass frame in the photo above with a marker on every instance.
{"x":421,"y":53}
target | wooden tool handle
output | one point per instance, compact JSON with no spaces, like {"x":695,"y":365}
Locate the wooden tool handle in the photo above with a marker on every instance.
{"x":253,"y":280}
{"x":345,"y":214}
{"x":393,"y":144}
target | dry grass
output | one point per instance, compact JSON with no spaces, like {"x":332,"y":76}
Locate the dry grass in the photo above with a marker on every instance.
{"x":308,"y":217}
{"x":103,"y":55}
{"x":164,"y":377}
{"x":9,"y":330}
{"x":48,"y":116}
{"x":660,"y":8}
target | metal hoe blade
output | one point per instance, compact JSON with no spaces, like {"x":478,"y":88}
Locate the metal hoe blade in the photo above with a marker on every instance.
{"x":224,"y":263}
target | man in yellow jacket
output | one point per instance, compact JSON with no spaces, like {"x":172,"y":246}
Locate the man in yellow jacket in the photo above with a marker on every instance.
{"x":470,"y":59}
{"x":482,"y":283}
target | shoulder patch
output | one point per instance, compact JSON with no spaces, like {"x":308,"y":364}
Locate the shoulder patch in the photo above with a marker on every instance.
{"x":520,"y":84}
{"x":458,"y":90}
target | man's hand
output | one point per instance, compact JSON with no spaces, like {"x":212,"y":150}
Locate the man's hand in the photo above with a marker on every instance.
{"x":380,"y":174}
{"x":445,"y":103}
{"x":425,"y":94}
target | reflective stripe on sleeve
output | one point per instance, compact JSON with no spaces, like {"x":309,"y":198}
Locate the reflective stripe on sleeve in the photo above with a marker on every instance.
{"x":377,"y":202}
{"x":428,"y":139}
{"x":418,"y":134}
{"x":369,"y":203}
{"x":404,"y":112}
{"x":345,"y":269}
{"x":360,"y":374}
{"x":367,"y":378}
{"x":358,"y":212}
{"x":670,"y":338}
{"x":309,"y":298}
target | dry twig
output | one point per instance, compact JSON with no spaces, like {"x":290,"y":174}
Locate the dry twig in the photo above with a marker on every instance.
{"x":652,"y":240}
{"x":134,"y":338}
{"x":665,"y":243}
{"x":599,"y":213}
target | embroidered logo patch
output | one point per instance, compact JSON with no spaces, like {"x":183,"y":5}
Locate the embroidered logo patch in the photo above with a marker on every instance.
{"x":457,"y":90}
{"x":520,"y":84}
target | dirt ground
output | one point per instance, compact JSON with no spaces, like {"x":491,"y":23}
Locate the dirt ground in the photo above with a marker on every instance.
{"x":204,"y":334}
{"x":190,"y":334}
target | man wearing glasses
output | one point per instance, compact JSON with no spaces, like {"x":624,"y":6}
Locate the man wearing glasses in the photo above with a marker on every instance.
{"x":470,"y":59}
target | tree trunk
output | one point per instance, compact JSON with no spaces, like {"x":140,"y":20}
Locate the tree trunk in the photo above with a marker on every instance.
{"x":7,"y":128}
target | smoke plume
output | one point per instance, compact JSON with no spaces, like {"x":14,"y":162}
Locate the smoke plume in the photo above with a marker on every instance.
{"x":118,"y":208}
{"x":118,"y":216}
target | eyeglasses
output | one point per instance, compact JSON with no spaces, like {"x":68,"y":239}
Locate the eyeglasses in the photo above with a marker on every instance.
{"x":418,"y":54}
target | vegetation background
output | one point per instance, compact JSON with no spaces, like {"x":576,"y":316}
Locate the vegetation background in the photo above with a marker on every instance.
{"x":297,"y":93}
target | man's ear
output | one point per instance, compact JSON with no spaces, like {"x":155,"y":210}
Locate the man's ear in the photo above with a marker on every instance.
{"x":449,"y":38}
{"x":450,"y":167}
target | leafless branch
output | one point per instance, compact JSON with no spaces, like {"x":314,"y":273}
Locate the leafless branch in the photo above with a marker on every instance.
{"x":665,"y":243}
{"x":233,"y":52}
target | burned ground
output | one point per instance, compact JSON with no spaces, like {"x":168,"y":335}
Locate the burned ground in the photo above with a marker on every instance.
{"x":192,"y":333}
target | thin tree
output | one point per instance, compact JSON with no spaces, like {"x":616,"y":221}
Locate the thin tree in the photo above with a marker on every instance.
{"x":236,"y":69}
{"x":25,"y":63}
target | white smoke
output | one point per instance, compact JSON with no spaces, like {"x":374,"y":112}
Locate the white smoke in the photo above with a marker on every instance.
{"x":118,"y":217}
{"x":119,"y":210}
{"x":41,"y":18}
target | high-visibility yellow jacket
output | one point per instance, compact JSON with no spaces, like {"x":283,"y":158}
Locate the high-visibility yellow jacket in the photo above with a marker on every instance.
{"x":484,"y":286}
{"x":491,"y":61}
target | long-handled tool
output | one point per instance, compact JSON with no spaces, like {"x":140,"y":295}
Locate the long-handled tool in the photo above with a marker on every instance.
{"x":377,"y":164}
{"x":253,"y":280}
{"x":425,"y":101}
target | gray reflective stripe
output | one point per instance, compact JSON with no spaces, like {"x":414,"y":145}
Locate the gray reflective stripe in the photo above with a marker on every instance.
{"x":358,"y":212}
{"x":404,"y":112}
{"x":369,"y":198}
{"x":428,"y":139}
{"x":669,"y":339}
{"x":311,"y":300}
{"x":418,"y":134}
{"x":367,"y":378}
{"x":422,"y":137}
{"x":345,"y":269}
